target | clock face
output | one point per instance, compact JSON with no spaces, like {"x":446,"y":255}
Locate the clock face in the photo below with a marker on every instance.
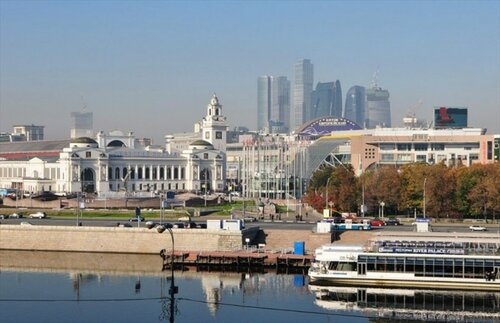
{"x":218,"y":135}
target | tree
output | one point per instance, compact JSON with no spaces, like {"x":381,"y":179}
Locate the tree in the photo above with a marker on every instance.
{"x":388,"y":188}
{"x":343,"y":188}
{"x":412,"y":183}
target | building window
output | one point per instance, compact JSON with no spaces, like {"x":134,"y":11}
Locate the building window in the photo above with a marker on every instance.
{"x":139,"y":173}
{"x":146,"y":175}
{"x":490,"y":150}
{"x":183,"y":172}
{"x":162,"y":173}
{"x":205,"y":156}
{"x":133,"y":187}
{"x":218,"y":135}
{"x":176,"y":173}
{"x":117,"y":173}
{"x":387,"y":157}
{"x":88,"y":154}
{"x":420,"y":147}
{"x":421,"y":158}
{"x":207,"y":135}
{"x":132,"y":173}
{"x":110,"y":173}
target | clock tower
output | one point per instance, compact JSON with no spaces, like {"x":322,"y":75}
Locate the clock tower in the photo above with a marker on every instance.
{"x":214,"y":126}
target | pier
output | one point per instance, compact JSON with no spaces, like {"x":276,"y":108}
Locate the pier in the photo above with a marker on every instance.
{"x":237,"y":261}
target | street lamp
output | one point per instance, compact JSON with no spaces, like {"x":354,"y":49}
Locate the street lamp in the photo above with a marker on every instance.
{"x":173,"y":289}
{"x":425,"y":180}
{"x":326,"y":195}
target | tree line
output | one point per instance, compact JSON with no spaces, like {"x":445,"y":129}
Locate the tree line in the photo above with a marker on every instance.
{"x":450,"y":192}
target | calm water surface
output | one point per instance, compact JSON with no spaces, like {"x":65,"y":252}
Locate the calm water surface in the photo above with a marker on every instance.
{"x":53,"y":290}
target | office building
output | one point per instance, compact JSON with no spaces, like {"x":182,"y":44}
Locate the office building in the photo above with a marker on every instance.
{"x":81,"y":124}
{"x":378,"y":107}
{"x":355,"y":102}
{"x":30,"y":132}
{"x":326,"y":100}
{"x":263,"y":101}
{"x":302,"y":89}
{"x":273,"y":104}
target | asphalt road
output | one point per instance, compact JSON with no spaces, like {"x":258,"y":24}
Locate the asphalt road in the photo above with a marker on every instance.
{"x":262,"y":224}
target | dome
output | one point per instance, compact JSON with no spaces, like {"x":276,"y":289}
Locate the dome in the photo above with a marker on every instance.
{"x":83,"y":140}
{"x":200,"y":142}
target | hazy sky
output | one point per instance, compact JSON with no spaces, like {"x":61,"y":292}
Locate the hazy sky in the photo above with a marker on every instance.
{"x":152,"y":66}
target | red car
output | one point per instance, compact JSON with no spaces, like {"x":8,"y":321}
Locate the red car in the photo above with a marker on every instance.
{"x":377,"y":223}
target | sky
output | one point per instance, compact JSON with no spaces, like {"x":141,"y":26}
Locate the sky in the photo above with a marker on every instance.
{"x":150,"y":67}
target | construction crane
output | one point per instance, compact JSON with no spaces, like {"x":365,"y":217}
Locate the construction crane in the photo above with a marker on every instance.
{"x":410,"y":120}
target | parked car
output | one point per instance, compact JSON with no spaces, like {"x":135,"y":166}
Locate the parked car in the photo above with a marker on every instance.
{"x":38,"y":215}
{"x":392,"y":222}
{"x":46,"y":196}
{"x":3,"y":216}
{"x":250,"y":219}
{"x":25,"y":223}
{"x":178,"y":225}
{"x":136,"y":218}
{"x":15,"y":216}
{"x":477,"y":228}
{"x":377,"y":223}
{"x":123,"y":225}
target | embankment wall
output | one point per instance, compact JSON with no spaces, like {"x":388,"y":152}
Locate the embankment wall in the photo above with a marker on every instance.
{"x":117,"y":240}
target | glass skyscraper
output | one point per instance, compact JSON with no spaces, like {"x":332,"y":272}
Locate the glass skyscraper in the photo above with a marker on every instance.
{"x":302,"y":89}
{"x":355,"y":105}
{"x":378,"y":107}
{"x":326,"y":100}
{"x":273,"y":103}
{"x":280,"y":102}
{"x":263,"y":101}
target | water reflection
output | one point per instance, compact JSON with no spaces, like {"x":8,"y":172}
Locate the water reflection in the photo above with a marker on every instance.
{"x":408,"y":304}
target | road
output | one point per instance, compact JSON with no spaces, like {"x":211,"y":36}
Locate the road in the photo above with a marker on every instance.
{"x":264,"y":225}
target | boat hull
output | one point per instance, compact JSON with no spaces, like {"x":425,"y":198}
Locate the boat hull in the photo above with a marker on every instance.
{"x":378,"y":282}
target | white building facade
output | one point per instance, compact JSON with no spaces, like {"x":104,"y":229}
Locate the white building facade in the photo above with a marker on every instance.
{"x":114,"y":162}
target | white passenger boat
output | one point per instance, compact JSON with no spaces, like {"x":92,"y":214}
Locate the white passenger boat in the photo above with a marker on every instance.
{"x":443,"y":262}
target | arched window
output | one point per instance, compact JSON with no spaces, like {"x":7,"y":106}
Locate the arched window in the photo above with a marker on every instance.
{"x":183,"y":172}
{"x":110,"y":173}
{"x":176,"y":173}
{"x":155,"y":172}
{"x":124,"y":172}
{"x":162,"y":173}
{"x":117,"y":173}
{"x":169,"y":173}
{"x":139,"y":173}
{"x":132,"y":173}
{"x":146,"y":175}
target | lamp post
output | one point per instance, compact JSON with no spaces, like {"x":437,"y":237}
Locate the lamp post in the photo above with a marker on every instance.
{"x":425,"y":180}
{"x":173,"y":289}
{"x":326,"y":195}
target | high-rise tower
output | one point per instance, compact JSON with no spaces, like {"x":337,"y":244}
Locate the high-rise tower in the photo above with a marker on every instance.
{"x":378,"y":108}
{"x":302,"y":89}
{"x":280,"y":103}
{"x":326,"y":100}
{"x":263,"y":101}
{"x":355,"y":105}
{"x":273,"y":103}
{"x":81,"y":124}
